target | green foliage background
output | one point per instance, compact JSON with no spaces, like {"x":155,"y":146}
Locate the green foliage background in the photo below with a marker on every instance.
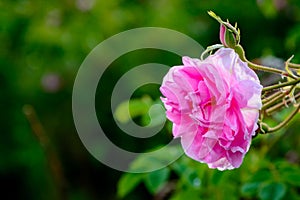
{"x":43,"y":44}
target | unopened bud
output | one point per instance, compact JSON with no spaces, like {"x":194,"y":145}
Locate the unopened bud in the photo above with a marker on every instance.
{"x":227,"y":37}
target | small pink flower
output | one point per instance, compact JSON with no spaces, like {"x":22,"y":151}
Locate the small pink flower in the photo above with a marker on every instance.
{"x":214,"y":106}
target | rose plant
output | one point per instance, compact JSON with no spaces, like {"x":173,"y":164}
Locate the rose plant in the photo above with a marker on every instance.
{"x":217,"y":103}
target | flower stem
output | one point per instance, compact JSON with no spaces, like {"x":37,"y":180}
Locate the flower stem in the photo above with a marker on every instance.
{"x":273,"y":99}
{"x":294,"y":66}
{"x":288,"y":68}
{"x":279,"y":105}
{"x":265,"y":98}
{"x":210,"y":49}
{"x":280,"y":85}
{"x":240,"y":51}
{"x":284,"y":122}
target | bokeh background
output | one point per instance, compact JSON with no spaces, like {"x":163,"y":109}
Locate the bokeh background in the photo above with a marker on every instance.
{"x":43,"y":44}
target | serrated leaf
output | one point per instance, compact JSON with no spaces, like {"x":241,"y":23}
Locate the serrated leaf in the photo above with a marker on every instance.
{"x":272,"y":191}
{"x":128,"y":182}
{"x":155,"y":180}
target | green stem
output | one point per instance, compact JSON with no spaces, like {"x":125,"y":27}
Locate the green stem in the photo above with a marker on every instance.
{"x":280,"y":85}
{"x":271,"y":101}
{"x":265,"y":98}
{"x":294,"y":66}
{"x":240,"y":51}
{"x":235,"y":30}
{"x":288,"y":68}
{"x":210,"y":49}
{"x":266,"y":69}
{"x":284,"y":122}
{"x":279,"y":105}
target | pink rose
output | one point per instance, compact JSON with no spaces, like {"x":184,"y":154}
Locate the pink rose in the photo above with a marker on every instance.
{"x":214,"y":106}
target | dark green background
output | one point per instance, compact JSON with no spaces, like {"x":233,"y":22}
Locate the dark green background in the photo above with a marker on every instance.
{"x":43,"y":44}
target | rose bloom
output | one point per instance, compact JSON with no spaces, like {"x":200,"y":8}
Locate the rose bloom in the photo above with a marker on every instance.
{"x":214,"y":106}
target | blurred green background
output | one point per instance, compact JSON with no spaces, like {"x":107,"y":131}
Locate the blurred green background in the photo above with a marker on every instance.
{"x":43,"y":44}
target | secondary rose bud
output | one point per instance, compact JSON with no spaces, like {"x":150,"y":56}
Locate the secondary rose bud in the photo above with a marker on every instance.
{"x":227,"y":37}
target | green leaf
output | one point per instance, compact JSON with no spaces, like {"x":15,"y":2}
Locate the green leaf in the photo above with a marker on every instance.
{"x":186,"y":194}
{"x":156,"y":160}
{"x":250,"y":189}
{"x":156,"y":116}
{"x":230,"y":39}
{"x":292,"y":176}
{"x":289,"y":173}
{"x":259,"y":178}
{"x":191,"y":177}
{"x":272,"y":191}
{"x":217,"y":176}
{"x":128,"y":182}
{"x":154,"y":181}
{"x":190,"y":172}
{"x":262,"y":175}
{"x":268,"y":8}
{"x":179,"y":168}
{"x":133,"y":108}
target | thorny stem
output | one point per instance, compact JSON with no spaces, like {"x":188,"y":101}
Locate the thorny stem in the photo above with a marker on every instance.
{"x":210,"y":49}
{"x":240,"y":51}
{"x":288,"y":69}
{"x":272,"y":99}
{"x":283,"y":123}
{"x":293,"y":80}
{"x":294,"y":66}
{"x":266,"y":69}
{"x":279,"y":105}
{"x":288,"y":73}
{"x":280,"y":85}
